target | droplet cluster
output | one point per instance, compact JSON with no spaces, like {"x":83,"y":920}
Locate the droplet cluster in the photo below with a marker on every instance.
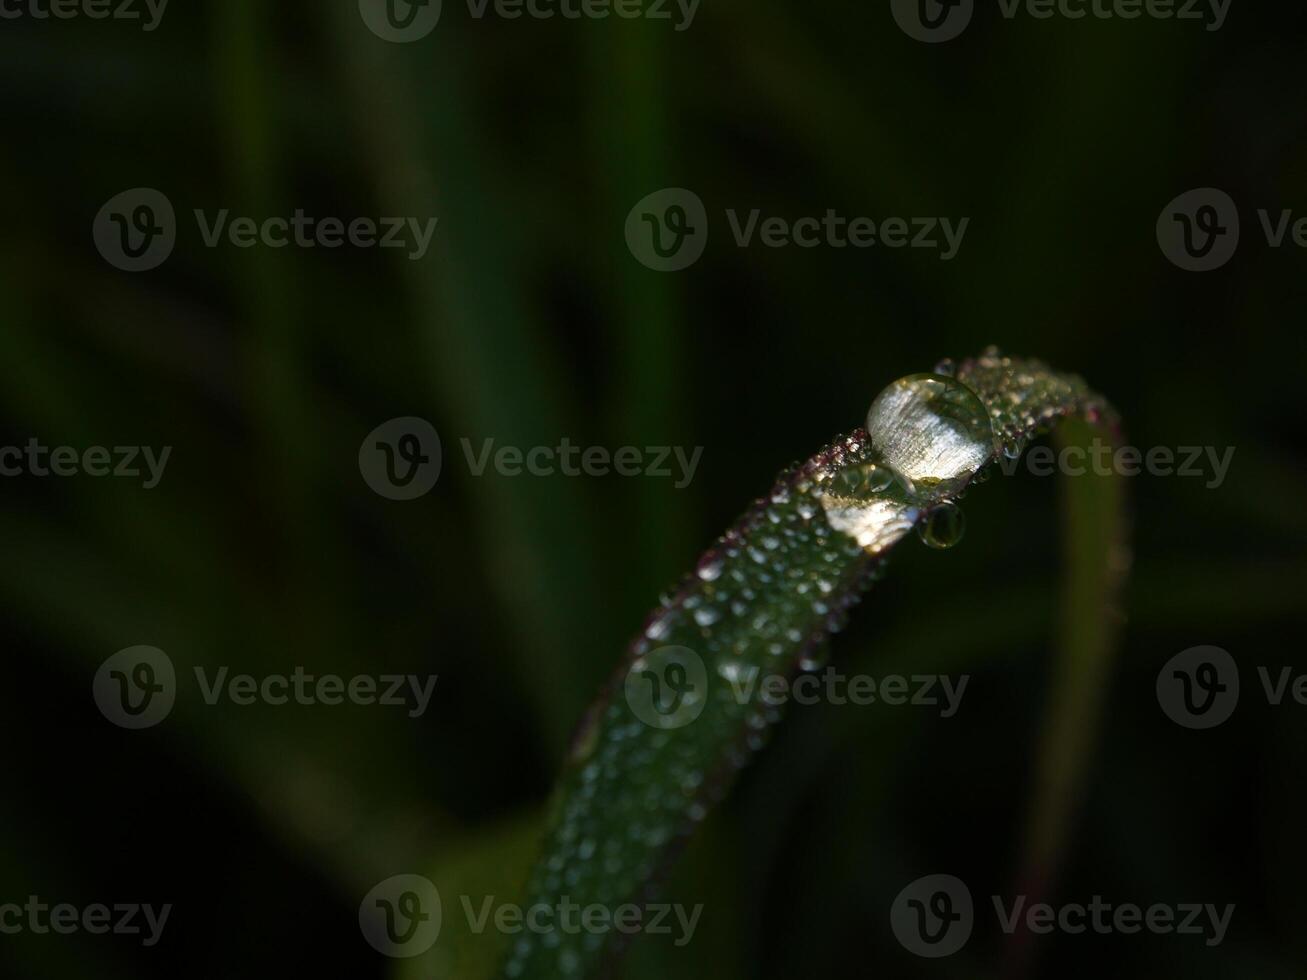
{"x":1025,"y":398}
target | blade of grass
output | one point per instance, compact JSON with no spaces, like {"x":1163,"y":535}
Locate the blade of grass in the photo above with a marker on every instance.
{"x":631,"y":130}
{"x":494,"y":373}
{"x":634,"y":791}
{"x":1097,"y":560}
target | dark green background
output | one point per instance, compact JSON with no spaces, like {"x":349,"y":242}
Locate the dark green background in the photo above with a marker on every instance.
{"x":262,"y":548}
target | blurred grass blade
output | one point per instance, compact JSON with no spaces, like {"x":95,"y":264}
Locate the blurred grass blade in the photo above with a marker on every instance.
{"x":496,"y":371}
{"x":683,"y":711}
{"x":1096,"y":562}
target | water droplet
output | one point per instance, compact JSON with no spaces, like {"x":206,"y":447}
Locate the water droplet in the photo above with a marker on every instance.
{"x":731,"y":671}
{"x":658,"y":625}
{"x":707,"y":615}
{"x":815,"y":659}
{"x":932,"y":430}
{"x":946,"y":367}
{"x":862,"y":481}
{"x":710,"y":566}
{"x":1012,"y":448}
{"x":874,"y":523}
{"x":944,"y":526}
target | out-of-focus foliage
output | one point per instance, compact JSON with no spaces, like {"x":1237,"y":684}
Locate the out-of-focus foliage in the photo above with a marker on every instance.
{"x":530,"y":321}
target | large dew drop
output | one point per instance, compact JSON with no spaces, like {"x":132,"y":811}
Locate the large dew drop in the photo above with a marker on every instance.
{"x":932,"y":430}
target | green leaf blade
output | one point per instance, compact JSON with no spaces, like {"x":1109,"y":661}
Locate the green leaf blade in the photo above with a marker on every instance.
{"x":765,"y":598}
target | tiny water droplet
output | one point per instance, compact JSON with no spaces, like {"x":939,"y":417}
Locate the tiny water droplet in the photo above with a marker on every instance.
{"x":815,"y":659}
{"x":658,"y":625}
{"x":710,"y":566}
{"x":707,"y":615}
{"x":862,"y":481}
{"x":946,"y":367}
{"x":944,"y":526}
{"x":730,"y":671}
{"x":1012,"y":448}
